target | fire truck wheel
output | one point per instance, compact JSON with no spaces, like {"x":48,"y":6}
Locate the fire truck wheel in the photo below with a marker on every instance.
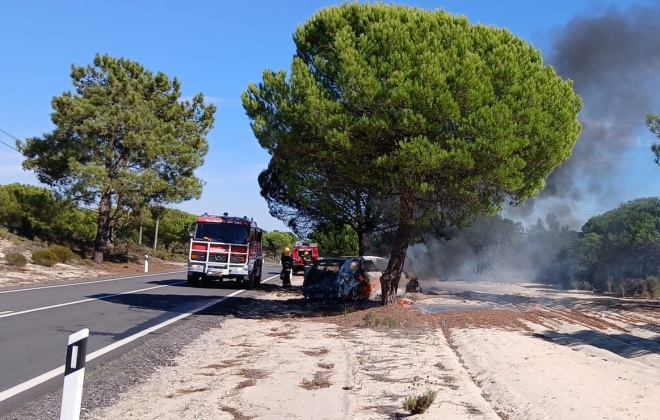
{"x":248,"y":282}
{"x":257,"y":277}
{"x":193,"y":280}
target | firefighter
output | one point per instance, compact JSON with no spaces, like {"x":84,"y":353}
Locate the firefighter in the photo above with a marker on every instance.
{"x":287,"y":266}
{"x":307,"y":260}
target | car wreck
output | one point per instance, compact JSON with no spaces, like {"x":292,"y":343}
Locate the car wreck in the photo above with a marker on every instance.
{"x":347,"y":278}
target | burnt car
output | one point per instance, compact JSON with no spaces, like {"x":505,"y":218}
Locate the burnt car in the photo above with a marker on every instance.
{"x":346,"y":278}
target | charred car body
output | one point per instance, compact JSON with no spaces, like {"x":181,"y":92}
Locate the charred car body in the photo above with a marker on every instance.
{"x":346,"y":278}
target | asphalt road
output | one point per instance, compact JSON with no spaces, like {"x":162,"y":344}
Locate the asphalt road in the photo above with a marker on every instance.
{"x":120,"y":313}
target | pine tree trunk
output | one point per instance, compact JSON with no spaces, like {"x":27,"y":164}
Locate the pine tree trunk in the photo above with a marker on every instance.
{"x":389,"y":282}
{"x":365,"y":239}
{"x":103,"y":228}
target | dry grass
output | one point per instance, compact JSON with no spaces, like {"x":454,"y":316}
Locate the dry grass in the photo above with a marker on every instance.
{"x":321,"y":380}
{"x":246,"y":383}
{"x":235,"y":413}
{"x":316,"y":352}
{"x":187,"y":391}
{"x":223,"y":364}
{"x":393,"y":316}
{"x":420,"y":403}
{"x":254,"y":373}
{"x":288,"y":331}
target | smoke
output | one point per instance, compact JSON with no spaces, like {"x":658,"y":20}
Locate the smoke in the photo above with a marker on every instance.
{"x":613,"y":59}
{"x":457,"y":259}
{"x":492,"y":248}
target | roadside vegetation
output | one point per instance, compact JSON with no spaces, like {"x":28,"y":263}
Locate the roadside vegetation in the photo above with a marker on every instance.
{"x":419,"y":403}
{"x":615,"y":252}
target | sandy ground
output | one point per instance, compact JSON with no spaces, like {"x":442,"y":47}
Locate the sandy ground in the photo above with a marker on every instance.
{"x":489,"y":350}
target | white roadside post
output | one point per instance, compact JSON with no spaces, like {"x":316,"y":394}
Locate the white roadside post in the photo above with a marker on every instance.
{"x":146,"y":263}
{"x":74,"y":375}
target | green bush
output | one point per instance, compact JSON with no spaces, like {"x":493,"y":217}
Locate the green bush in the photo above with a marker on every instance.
{"x":4,"y":233}
{"x":652,"y":287}
{"x":127,"y":251}
{"x":420,"y":403}
{"x":15,"y":259}
{"x":63,"y":253}
{"x":44,"y":257}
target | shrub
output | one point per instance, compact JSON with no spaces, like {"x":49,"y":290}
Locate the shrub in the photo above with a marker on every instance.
{"x":652,"y":287}
{"x":4,"y":233}
{"x":161,"y":253}
{"x":15,"y":259}
{"x":62,"y":253}
{"x":44,"y":257}
{"x":420,"y":403}
{"x":126,"y":251}
{"x":371,"y":319}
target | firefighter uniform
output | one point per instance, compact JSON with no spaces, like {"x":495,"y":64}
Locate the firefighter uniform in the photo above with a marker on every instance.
{"x":307,"y":260}
{"x":287,"y":265}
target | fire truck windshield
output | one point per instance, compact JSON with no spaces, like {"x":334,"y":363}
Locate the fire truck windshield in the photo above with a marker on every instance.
{"x":222,"y":232}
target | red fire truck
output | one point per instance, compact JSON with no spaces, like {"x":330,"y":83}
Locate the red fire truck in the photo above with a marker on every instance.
{"x":225,"y":247}
{"x":298,"y":255}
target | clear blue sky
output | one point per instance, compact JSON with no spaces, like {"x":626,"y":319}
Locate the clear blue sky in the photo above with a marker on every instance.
{"x":218,"y":47}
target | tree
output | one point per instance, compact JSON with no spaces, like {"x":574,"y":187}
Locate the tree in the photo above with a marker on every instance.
{"x":124,"y":139}
{"x":306,"y":201}
{"x":335,"y":241}
{"x":34,"y":212}
{"x":615,"y":248}
{"x":274,"y":242}
{"x":653,"y":123}
{"x":173,"y":228}
{"x":630,"y":242}
{"x":419,"y":107}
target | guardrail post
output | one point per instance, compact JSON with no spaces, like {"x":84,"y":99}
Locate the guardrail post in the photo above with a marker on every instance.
{"x":74,"y":375}
{"x":146,"y":263}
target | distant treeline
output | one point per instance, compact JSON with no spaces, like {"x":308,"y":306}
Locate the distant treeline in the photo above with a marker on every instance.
{"x":37,"y":214}
{"x":615,"y":252}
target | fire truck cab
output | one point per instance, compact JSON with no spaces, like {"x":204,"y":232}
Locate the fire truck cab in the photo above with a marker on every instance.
{"x":225,"y":247}
{"x":299,"y":256}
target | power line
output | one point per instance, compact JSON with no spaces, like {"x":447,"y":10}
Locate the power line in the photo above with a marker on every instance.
{"x":13,"y":137}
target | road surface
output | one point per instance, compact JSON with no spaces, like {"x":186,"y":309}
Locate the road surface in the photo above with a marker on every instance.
{"x":120,"y":313}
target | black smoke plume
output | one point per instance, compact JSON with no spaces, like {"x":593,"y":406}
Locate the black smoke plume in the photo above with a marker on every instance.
{"x":613,"y":58}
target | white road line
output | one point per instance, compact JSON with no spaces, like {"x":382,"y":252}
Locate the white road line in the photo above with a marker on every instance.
{"x":15,"y":390}
{"x":86,"y":282}
{"x":5,"y":312}
{"x":27,"y":311}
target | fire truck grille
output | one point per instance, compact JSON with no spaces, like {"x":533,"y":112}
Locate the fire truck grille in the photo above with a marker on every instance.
{"x":237,"y":259}
{"x":220,"y":258}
